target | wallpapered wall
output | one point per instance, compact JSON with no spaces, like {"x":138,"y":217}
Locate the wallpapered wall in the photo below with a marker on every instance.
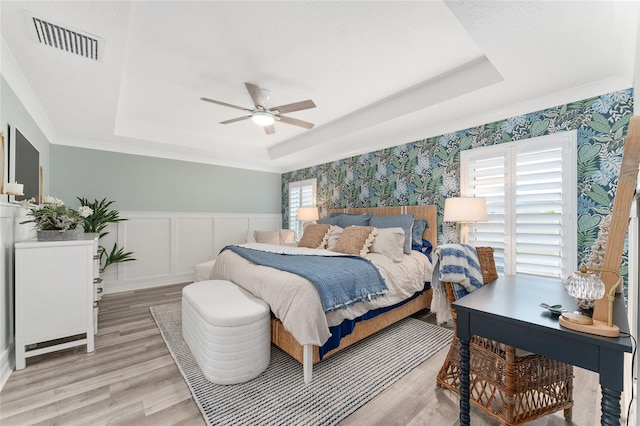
{"x":428,"y":171}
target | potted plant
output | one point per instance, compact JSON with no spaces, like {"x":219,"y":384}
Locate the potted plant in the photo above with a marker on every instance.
{"x":96,"y":222}
{"x":54,"y":221}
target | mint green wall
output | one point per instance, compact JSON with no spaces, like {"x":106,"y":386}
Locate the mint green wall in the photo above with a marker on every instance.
{"x":15,"y":115}
{"x":428,"y":171}
{"x":139,"y":183}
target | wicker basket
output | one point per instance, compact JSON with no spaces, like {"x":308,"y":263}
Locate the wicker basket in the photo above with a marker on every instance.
{"x":487,"y":264}
{"x":512,"y":389}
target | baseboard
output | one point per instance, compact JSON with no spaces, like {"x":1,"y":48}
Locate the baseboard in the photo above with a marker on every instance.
{"x":119,"y":287}
{"x":6,"y":365}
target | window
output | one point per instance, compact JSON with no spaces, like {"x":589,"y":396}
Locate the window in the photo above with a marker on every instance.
{"x":301,"y":194}
{"x":531,"y":191}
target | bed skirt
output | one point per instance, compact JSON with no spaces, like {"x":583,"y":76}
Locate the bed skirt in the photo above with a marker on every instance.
{"x":285,"y":341}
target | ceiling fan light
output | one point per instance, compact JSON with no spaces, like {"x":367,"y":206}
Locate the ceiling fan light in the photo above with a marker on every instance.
{"x":262,"y":118}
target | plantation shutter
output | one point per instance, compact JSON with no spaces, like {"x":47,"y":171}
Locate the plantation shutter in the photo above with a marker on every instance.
{"x":301,"y":194}
{"x":486,"y":176}
{"x":538,"y":212}
{"x":530,"y":187}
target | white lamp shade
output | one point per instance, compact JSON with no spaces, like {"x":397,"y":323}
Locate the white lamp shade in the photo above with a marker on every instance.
{"x":465,"y":209}
{"x":306,"y":214}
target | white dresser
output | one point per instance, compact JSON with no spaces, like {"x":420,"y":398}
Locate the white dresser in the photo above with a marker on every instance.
{"x":57,"y":292}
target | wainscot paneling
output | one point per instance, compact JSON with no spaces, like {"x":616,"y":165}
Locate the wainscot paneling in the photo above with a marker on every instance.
{"x":10,"y":231}
{"x":167,"y":246}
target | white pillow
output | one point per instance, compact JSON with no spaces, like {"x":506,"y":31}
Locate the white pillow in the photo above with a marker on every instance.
{"x":251,"y":237}
{"x":390,"y":242}
{"x":267,"y":237}
{"x":287,"y":236}
{"x":334,"y":235}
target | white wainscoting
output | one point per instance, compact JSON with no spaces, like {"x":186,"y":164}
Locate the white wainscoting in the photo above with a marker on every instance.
{"x":10,"y":231}
{"x":167,"y":246}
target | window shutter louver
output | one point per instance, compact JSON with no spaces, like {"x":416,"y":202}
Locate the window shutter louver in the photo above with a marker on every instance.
{"x":486,"y":178}
{"x":538,"y":212}
{"x":301,"y":194}
{"x":530,"y":187}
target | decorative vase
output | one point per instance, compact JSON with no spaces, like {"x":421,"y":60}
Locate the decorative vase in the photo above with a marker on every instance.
{"x":55,"y":235}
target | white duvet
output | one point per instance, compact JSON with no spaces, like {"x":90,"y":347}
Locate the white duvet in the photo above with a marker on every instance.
{"x":295,"y":301}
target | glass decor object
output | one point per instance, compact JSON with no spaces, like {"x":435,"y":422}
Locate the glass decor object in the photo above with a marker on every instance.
{"x":585,"y":285}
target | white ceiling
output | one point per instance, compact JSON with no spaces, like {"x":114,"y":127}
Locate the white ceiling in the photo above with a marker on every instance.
{"x":381,"y":73}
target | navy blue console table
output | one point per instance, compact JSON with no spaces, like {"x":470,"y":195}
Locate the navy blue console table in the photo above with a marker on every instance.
{"x":508,"y":311}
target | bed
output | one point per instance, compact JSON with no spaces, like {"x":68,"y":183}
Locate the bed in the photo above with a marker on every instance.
{"x":263,"y":281}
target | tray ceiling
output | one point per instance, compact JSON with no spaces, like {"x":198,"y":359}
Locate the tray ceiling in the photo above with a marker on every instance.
{"x":380,"y":73}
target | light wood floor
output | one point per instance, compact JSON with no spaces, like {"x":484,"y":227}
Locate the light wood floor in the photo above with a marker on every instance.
{"x":131,"y":379}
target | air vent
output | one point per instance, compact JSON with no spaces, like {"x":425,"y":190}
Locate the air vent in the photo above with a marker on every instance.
{"x":67,"y":39}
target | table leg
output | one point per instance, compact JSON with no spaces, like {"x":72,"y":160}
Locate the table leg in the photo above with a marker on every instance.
{"x":610,"y":407}
{"x":465,"y":419}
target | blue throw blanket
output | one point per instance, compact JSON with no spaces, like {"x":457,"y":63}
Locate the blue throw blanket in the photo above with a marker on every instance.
{"x":457,"y":264}
{"x":340,"y":280}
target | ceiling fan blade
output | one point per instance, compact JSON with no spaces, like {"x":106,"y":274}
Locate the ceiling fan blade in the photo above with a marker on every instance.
{"x":296,"y":106}
{"x":269,"y":129}
{"x":256,"y":95}
{"x":213,"y":101}
{"x":296,"y":122}
{"x":233,"y":120}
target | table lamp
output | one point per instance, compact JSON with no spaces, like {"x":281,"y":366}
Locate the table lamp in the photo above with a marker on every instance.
{"x":465,"y":210}
{"x":585,"y":285}
{"x":307,"y":214}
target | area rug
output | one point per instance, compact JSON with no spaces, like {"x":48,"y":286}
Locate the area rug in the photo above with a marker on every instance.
{"x":341,"y":384}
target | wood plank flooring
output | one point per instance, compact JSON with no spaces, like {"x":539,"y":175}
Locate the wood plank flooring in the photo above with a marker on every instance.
{"x":131,"y":379}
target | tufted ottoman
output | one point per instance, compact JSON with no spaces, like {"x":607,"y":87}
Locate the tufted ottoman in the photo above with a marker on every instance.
{"x":227,"y":329}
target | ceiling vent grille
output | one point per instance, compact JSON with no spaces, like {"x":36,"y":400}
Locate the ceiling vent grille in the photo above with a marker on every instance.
{"x":69,"y":40}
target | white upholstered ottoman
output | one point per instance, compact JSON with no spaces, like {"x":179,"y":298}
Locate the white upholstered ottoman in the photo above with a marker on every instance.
{"x":227,"y":329}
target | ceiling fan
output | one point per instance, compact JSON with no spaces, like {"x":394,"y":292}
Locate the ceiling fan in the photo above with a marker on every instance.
{"x":264,"y":116}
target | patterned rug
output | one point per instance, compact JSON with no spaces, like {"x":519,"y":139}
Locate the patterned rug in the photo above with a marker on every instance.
{"x":341,"y":384}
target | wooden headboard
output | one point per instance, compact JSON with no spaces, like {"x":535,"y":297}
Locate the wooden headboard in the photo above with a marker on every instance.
{"x":428,"y":213}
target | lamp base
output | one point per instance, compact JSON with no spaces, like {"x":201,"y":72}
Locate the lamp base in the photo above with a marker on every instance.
{"x":585,"y":324}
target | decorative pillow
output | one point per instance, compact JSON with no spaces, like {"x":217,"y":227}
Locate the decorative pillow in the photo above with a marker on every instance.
{"x":334,"y":235}
{"x":404,"y":221}
{"x":345,"y":220}
{"x":287,"y":236}
{"x":390,"y":242}
{"x":329,"y":220}
{"x":419,"y":225}
{"x":355,"y":240}
{"x":315,"y":235}
{"x":267,"y":237}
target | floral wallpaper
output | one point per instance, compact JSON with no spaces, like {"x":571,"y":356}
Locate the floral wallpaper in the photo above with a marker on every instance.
{"x":428,"y":171}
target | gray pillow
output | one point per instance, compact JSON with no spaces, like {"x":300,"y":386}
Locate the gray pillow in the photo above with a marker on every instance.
{"x":404,"y":221}
{"x":419,"y":225}
{"x":345,"y":220}
{"x":329,"y":220}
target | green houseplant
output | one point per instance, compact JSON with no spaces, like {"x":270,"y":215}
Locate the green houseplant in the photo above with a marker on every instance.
{"x":96,"y":222}
{"x":54,"y":220}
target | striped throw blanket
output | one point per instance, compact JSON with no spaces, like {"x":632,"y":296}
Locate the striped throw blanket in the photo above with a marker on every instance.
{"x":457,"y":264}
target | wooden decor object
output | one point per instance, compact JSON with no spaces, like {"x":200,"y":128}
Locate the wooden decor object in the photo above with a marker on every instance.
{"x":620,"y":213}
{"x":41,"y":185}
